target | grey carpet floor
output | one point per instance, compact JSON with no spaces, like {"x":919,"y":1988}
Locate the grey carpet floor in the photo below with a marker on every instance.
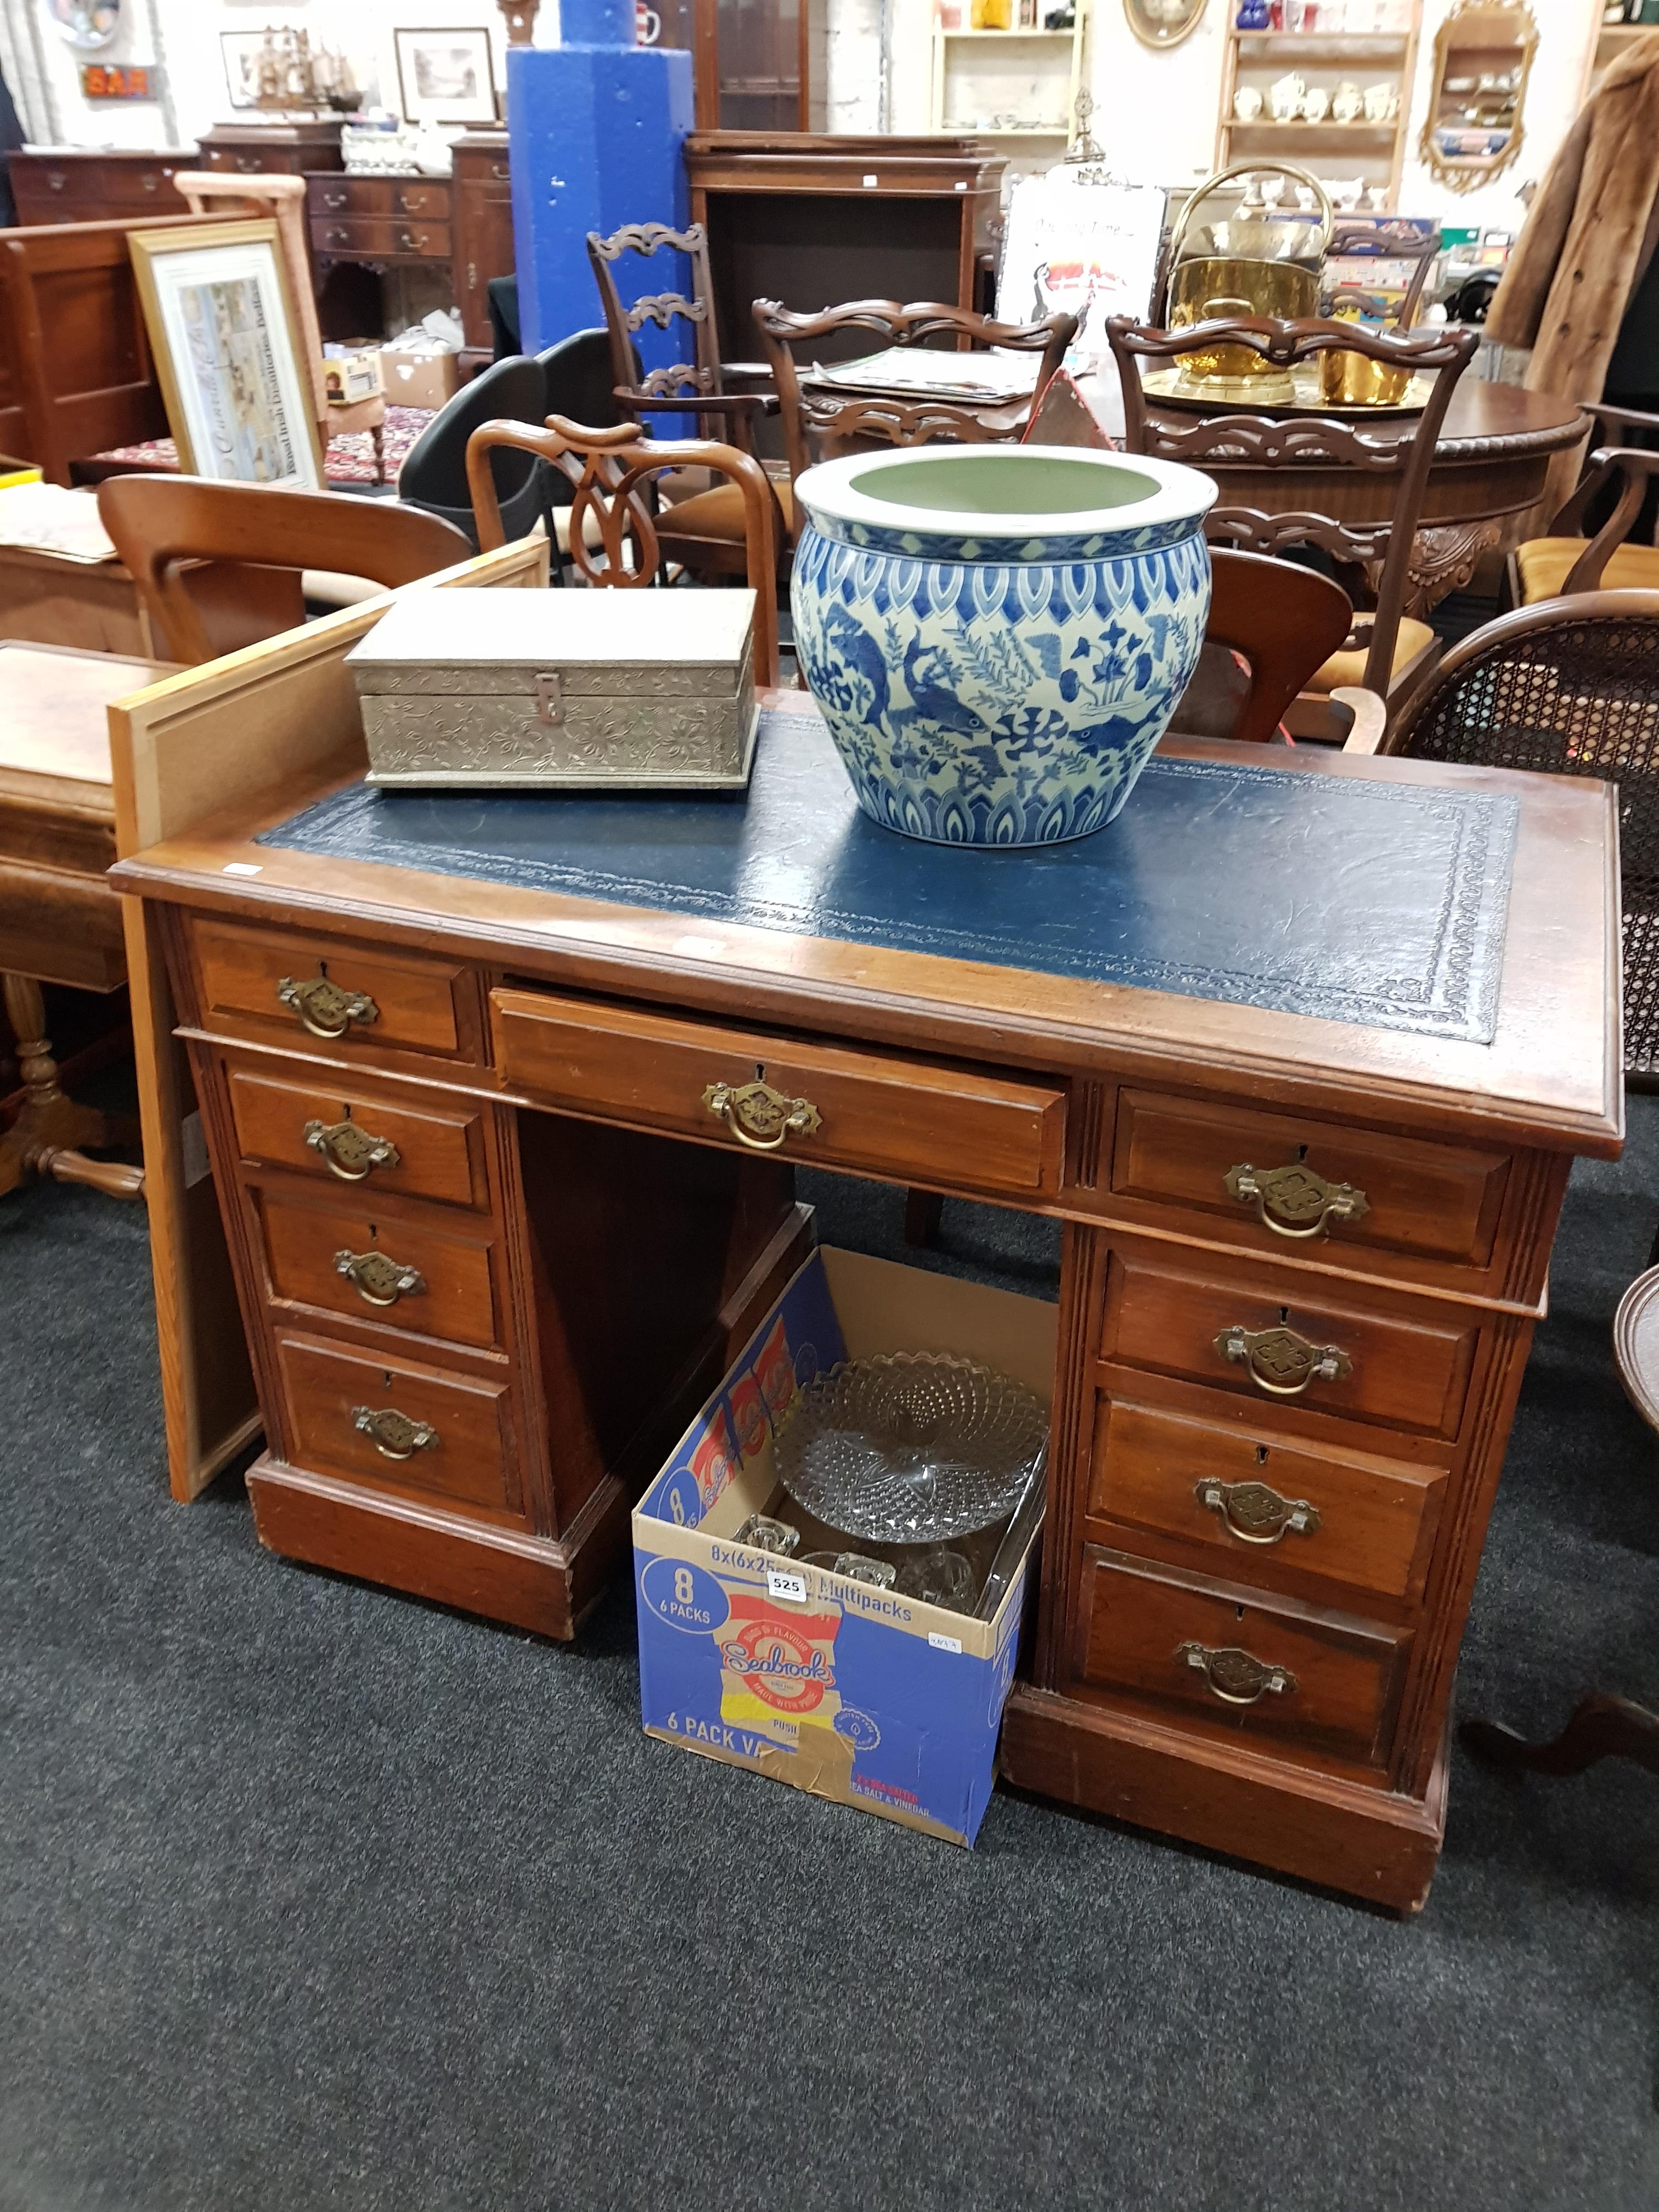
{"x":312,"y":1896}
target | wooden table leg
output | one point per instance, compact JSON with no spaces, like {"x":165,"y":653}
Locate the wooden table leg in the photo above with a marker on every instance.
{"x":46,"y":1137}
{"x":1601,"y":1728}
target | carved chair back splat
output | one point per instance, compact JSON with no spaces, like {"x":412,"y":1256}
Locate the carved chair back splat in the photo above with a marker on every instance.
{"x":818,"y":422}
{"x":686,"y":387}
{"x":609,"y":471}
{"x":1400,"y":448}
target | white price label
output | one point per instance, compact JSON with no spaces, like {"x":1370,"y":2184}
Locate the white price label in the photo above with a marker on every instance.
{"x":943,"y":1643}
{"x":242,"y":868}
{"x":781,"y":1583}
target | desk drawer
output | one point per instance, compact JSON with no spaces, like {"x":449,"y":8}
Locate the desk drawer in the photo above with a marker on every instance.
{"x":382,"y":238}
{"x":412,"y":1273}
{"x":1263,"y":1504}
{"x":344,"y":1136}
{"x":914,"y":1120}
{"x":378,"y":1000}
{"x":1279,"y":1342}
{"x":439,"y":1432}
{"x":1298,"y":1183}
{"x":1262,"y":1666}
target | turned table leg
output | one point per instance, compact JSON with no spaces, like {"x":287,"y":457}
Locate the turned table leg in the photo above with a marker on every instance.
{"x":1601,"y":1728}
{"x":46,"y":1137}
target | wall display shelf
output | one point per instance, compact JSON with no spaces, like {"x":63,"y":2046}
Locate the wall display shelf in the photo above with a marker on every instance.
{"x":1356,"y":96}
{"x":1610,"y":41}
{"x":1008,"y":84}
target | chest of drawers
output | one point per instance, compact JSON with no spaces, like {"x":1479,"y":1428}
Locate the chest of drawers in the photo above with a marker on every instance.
{"x":66,"y":185}
{"x":471,"y":1133}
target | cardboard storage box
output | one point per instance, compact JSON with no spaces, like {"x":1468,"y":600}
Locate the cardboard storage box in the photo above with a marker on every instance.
{"x":419,"y":380}
{"x":856,"y":1694}
{"x":348,"y":377}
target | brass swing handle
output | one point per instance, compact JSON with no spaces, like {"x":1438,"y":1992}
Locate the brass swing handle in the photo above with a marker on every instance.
{"x":378,"y":1281}
{"x":1256,"y":1513}
{"x":1281,"y":1362}
{"x":393,"y":1434}
{"x":1294,"y":1201}
{"x":349,"y":1150}
{"x":1236,"y":1677}
{"x":759,"y":1116}
{"x":324,"y":1009}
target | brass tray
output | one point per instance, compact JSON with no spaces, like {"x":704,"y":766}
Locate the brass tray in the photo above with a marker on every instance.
{"x":1171,"y":387}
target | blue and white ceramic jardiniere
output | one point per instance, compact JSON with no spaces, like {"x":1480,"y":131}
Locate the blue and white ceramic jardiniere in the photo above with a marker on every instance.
{"x":998,"y":634}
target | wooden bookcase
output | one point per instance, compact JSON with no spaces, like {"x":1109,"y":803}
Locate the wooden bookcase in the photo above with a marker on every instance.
{"x":1375,"y":150}
{"x":978,"y":74}
{"x":1607,"y":43}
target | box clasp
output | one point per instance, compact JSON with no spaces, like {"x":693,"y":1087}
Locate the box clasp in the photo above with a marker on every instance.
{"x":549,"y":700}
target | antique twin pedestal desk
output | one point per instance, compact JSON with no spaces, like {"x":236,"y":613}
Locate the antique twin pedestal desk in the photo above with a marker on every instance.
{"x":1297,"y":1052}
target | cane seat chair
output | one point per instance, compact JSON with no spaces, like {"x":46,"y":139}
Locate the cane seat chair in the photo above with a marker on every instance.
{"x":820,"y":422}
{"x":1569,"y":559}
{"x":1378,"y":472}
{"x":611,"y":471}
{"x":1569,"y":687}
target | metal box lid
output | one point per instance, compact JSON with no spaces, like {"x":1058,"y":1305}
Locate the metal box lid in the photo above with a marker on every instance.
{"x":689,"y":643}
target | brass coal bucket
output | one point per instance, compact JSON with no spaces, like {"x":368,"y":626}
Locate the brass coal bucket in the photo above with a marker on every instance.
{"x":1260,"y":261}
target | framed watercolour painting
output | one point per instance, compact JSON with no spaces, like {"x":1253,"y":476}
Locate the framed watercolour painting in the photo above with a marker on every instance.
{"x":446,"y":76}
{"x":229,"y":357}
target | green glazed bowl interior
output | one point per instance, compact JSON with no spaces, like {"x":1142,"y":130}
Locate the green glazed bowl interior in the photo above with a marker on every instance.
{"x":1003,"y":483}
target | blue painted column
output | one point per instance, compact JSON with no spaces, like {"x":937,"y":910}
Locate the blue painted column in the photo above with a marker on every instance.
{"x":595,"y":126}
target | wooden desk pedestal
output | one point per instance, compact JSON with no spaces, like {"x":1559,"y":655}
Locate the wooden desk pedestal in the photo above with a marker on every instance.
{"x":495,"y":1222}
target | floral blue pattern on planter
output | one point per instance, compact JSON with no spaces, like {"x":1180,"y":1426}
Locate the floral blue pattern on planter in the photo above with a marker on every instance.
{"x":1003,"y":695}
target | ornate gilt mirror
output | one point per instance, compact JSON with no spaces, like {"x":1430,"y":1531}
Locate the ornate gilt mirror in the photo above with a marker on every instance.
{"x":1162,"y":22}
{"x":1482,"y":59}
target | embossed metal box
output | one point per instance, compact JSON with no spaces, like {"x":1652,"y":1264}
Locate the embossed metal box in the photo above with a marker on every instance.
{"x":561,"y":691}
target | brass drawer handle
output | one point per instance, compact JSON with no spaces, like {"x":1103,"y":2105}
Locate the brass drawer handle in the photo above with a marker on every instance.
{"x":1293,"y":1200}
{"x":378,"y":1281}
{"x":393,"y":1434}
{"x":348,"y":1149}
{"x":759,"y":1116}
{"x":1281,"y":1362}
{"x":1256,"y":1513}
{"x":324,"y":1009}
{"x":1236,"y":1677}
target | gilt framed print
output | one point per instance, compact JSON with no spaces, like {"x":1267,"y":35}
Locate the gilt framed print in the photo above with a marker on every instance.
{"x":446,"y":76}
{"x":229,"y":356}
{"x":1162,"y":22}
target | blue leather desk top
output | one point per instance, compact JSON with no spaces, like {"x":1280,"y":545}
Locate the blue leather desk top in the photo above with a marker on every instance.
{"x":1380,"y":903}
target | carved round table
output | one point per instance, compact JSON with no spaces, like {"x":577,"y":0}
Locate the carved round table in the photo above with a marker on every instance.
{"x":1495,"y":450}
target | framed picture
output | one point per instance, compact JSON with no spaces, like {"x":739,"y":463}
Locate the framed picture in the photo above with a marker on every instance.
{"x":446,"y":76}
{"x":229,"y":356}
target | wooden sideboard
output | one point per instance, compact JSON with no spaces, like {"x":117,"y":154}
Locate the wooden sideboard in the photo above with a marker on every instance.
{"x":461,"y":1127}
{"x":68,"y":184}
{"x":288,"y":150}
{"x":463,"y":222}
{"x":814,"y":221}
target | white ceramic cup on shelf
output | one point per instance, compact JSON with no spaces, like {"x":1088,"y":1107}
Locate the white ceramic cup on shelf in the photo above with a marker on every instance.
{"x":1247,"y":103}
{"x":1284,"y":97}
{"x":1316,"y":104}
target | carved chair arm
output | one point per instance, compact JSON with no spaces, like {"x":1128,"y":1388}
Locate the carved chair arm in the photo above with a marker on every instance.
{"x":1632,"y":465}
{"x":1371,"y":718}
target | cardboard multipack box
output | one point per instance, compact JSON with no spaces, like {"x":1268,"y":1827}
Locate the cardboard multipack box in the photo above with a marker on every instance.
{"x":419,"y":380}
{"x":857,"y":1693}
{"x":353,"y":375}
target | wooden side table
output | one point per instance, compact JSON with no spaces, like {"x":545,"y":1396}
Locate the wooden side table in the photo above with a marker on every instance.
{"x":59,"y":921}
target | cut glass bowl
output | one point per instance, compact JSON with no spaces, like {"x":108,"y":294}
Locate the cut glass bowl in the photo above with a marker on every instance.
{"x":911,"y":1447}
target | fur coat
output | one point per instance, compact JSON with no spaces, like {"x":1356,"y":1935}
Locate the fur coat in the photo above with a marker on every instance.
{"x":1587,"y":243}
